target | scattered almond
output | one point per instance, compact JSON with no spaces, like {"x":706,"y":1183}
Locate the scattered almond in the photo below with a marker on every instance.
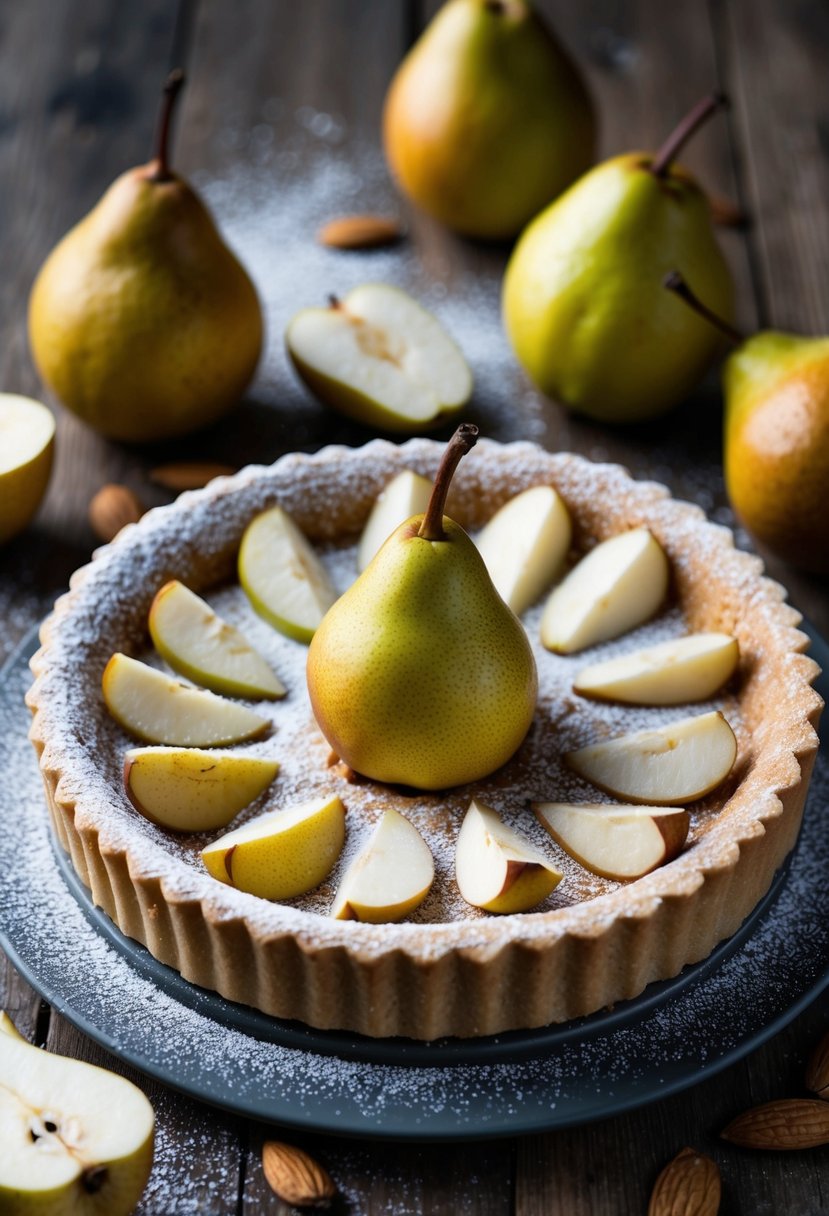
{"x":688,"y":1186}
{"x":189,"y":474}
{"x":817,"y":1070}
{"x":296,"y":1177}
{"x":786,"y":1124}
{"x":360,"y":232}
{"x":111,"y":509}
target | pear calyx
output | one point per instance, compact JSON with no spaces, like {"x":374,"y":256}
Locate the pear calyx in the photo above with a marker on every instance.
{"x":687,"y":127}
{"x":674,"y":282}
{"x":161,"y":163}
{"x":463,"y":440}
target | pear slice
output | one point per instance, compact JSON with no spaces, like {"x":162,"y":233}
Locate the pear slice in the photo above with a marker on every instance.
{"x":158,"y":709}
{"x":27,"y":440}
{"x":75,"y":1138}
{"x":380,"y":358}
{"x":7,"y":1026}
{"x":406,"y":495}
{"x":498,"y":869}
{"x":284,"y":578}
{"x":677,"y":672}
{"x":618,"y":842}
{"x":389,"y":878}
{"x":190,"y":790}
{"x":668,"y":766}
{"x":196,"y":642}
{"x":620,"y":584}
{"x":282,"y":854}
{"x":524,"y":545}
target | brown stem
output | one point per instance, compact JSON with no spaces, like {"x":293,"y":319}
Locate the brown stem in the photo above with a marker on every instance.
{"x":172,"y":88}
{"x":464,"y":439}
{"x":680,"y":135}
{"x":334,"y":301}
{"x":675,"y":283}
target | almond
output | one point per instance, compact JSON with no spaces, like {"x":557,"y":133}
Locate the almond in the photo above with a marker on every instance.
{"x":785,"y":1124}
{"x":296,"y":1177}
{"x":189,"y":474}
{"x":360,"y":232}
{"x":817,"y":1070}
{"x":111,"y":509}
{"x":688,"y":1186}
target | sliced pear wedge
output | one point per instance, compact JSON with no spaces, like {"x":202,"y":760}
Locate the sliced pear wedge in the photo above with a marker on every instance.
{"x":525,"y":544}
{"x":677,"y":672}
{"x":669,"y":766}
{"x":282,"y":575}
{"x":406,"y":495}
{"x":498,"y":869}
{"x":618,"y":842}
{"x":190,"y":790}
{"x":620,"y":584}
{"x":158,"y":709}
{"x":282,"y":854}
{"x":7,"y":1026}
{"x":197,"y":643}
{"x":390,"y":877}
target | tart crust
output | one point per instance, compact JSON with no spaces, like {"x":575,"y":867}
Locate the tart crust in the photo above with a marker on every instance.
{"x":466,"y":978}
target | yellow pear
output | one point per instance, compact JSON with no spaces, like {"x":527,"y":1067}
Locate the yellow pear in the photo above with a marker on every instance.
{"x":27,"y":441}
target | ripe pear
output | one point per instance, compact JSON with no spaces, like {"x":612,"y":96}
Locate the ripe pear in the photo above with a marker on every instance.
{"x":420,"y":674}
{"x":141,"y":320}
{"x":583,"y":301}
{"x":487,"y":118}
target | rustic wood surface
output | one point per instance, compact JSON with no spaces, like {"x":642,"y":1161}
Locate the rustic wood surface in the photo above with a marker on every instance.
{"x":77,"y":105}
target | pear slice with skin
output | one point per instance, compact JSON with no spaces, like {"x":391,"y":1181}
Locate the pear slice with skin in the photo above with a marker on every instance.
{"x":282,"y":854}
{"x":677,"y":672}
{"x":406,"y":495}
{"x":620,"y":584}
{"x":497,"y":868}
{"x":617,"y":842}
{"x":75,"y":1138}
{"x":389,"y":878}
{"x":7,"y":1026}
{"x":282,"y":575}
{"x":198,"y":644}
{"x":190,"y":790}
{"x":525,"y":544}
{"x":158,"y":709}
{"x":669,"y":766}
{"x":27,"y":441}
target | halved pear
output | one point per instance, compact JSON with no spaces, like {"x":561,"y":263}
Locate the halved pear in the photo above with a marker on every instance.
{"x":390,"y":877}
{"x":676,"y":672}
{"x":190,"y":790}
{"x":73,"y":1137}
{"x":189,"y":635}
{"x":282,"y":854}
{"x":380,"y":358}
{"x":620,"y":584}
{"x":618,"y":842}
{"x":497,"y":868}
{"x":27,"y":441}
{"x":524,"y":545}
{"x":669,"y":766}
{"x":284,"y":578}
{"x":158,"y":709}
{"x":406,"y":495}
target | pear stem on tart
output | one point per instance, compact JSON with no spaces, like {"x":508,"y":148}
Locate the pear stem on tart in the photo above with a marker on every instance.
{"x":172,"y":87}
{"x":676,"y":283}
{"x":688,"y":126}
{"x":464,"y":439}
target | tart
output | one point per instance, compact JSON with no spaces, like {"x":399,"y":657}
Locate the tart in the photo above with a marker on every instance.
{"x":449,"y":969}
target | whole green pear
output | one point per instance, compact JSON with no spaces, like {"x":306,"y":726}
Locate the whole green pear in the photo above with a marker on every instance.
{"x":487,"y":119}
{"x":583,"y":301}
{"x":420,"y":674}
{"x":141,"y":320}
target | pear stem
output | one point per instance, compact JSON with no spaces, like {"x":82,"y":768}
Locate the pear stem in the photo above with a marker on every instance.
{"x":464,"y":439}
{"x":172,"y":87}
{"x":675,"y":283}
{"x":680,"y":135}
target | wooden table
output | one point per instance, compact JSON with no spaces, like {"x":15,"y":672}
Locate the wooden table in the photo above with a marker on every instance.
{"x":78,"y":97}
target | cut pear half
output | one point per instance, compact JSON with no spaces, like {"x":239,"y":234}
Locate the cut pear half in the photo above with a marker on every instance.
{"x":618,"y":842}
{"x":406,"y":495}
{"x":677,"y":672}
{"x":389,"y":878}
{"x":620,"y":584}
{"x":282,"y":575}
{"x":668,"y":766}
{"x":380,"y":358}
{"x":525,"y":544}
{"x":190,"y":790}
{"x":497,"y":868}
{"x":27,"y":434}
{"x":158,"y":709}
{"x":197,"y":643}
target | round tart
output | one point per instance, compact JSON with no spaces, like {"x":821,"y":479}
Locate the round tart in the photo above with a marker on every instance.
{"x":450,"y":969}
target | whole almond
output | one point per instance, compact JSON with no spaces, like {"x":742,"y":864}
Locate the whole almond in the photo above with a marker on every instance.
{"x":817,"y":1070}
{"x":688,"y":1186}
{"x":360,"y":232}
{"x":189,"y":474}
{"x":296,"y":1177}
{"x":112,"y":508}
{"x":785,"y":1124}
